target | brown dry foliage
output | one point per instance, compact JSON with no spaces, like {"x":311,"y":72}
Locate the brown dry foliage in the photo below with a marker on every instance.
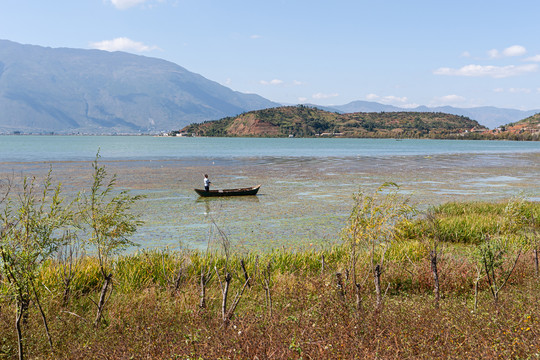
{"x":309,"y":321}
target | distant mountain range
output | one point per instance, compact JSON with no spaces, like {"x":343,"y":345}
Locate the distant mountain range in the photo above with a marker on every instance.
{"x":67,"y":91}
{"x":488,"y":116}
{"x":92,"y":91}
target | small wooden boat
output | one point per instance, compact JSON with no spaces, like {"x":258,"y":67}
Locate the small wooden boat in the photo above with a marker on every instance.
{"x":229,"y":192}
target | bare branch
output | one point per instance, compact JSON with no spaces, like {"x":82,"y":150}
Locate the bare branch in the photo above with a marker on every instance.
{"x":237,"y":298}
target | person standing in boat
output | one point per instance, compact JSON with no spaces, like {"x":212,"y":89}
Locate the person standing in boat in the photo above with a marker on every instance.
{"x":206,"y":183}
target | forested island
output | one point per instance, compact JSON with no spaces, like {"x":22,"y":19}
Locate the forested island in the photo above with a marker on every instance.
{"x":306,"y":121}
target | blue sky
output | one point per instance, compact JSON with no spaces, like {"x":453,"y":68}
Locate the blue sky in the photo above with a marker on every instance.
{"x":399,"y":52}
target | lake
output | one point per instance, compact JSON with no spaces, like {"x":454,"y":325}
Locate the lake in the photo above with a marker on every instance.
{"x":307,"y":184}
{"x":76,"y":148}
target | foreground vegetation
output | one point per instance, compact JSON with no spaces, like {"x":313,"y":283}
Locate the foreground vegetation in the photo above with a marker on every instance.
{"x":459,"y":281}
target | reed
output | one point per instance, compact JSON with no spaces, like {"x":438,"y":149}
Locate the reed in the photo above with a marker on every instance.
{"x":472,"y":222}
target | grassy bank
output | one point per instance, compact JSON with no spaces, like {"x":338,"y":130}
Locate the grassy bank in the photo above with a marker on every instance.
{"x":459,"y":281}
{"x":301,"y":312}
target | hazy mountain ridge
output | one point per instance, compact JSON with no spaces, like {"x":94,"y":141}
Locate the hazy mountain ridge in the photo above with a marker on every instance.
{"x":488,"y":116}
{"x":71,"y":90}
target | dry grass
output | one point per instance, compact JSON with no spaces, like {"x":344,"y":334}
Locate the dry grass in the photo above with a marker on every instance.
{"x":309,"y":320}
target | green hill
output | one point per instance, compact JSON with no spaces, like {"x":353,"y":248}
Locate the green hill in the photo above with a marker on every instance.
{"x":304,"y":121}
{"x":532,"y":123}
{"x":526,"y":129}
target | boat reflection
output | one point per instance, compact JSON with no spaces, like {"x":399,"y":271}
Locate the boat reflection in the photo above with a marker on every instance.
{"x":216,"y":203}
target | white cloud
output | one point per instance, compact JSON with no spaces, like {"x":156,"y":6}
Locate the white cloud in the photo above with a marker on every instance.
{"x":519,"y":90}
{"x":122,"y":44}
{"x":372,"y":97}
{"x":515,"y":50}
{"x":391,"y":100}
{"x":271,"y":82}
{"x":276,"y":82}
{"x":125,"y":4}
{"x":494,"y":53}
{"x":489,"y":70}
{"x":514,"y":90}
{"x":453,"y":98}
{"x":535,"y":58}
{"x":394,"y":99}
{"x":466,"y":54}
{"x":302,"y":99}
{"x":450,"y":99}
{"x":409,"y":105}
{"x":320,"y":96}
{"x":255,"y":36}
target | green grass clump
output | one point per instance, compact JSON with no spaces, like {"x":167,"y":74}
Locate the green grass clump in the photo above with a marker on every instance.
{"x":473,"y":222}
{"x":410,"y":250}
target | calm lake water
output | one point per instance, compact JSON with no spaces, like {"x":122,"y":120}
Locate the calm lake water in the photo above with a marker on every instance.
{"x":76,"y":148}
{"x":307,"y":184}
